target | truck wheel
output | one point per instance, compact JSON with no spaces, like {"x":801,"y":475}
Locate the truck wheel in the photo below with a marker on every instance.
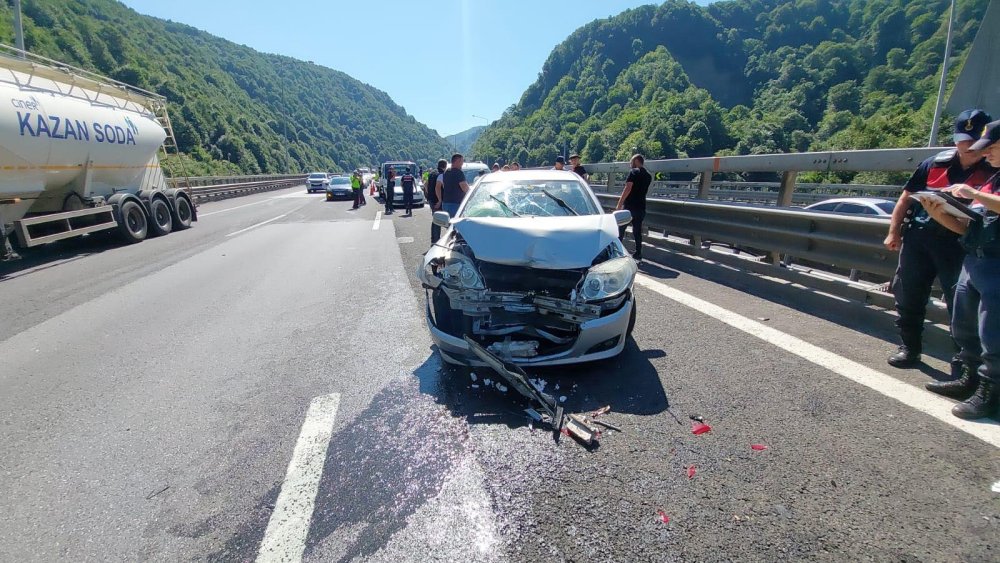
{"x":133,"y":227}
{"x":182,"y":213}
{"x":161,"y":222}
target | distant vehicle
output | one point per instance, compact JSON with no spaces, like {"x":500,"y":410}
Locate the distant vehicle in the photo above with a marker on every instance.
{"x":872,"y":206}
{"x":339,"y":188}
{"x":400,"y":167}
{"x":530,"y":268}
{"x":317,"y":182}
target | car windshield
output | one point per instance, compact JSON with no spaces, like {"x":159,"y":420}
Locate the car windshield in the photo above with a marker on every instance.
{"x":400,"y":168}
{"x":530,"y":198}
{"x":340,"y":180}
{"x":887,"y":206}
{"x":317,"y":176}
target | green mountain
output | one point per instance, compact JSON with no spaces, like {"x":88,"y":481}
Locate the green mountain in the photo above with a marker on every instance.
{"x":233,"y":109}
{"x":738,"y":77}
{"x":462,"y":142}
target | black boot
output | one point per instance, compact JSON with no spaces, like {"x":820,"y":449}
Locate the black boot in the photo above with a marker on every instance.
{"x":984,"y":403}
{"x":961,"y":388}
{"x":908,"y":356}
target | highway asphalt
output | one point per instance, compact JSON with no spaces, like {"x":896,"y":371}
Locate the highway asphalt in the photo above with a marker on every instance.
{"x":163,"y":401}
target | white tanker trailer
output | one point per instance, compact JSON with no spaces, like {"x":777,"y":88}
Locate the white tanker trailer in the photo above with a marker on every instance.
{"x":79,"y":154}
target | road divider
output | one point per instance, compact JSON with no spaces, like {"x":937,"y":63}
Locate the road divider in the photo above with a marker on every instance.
{"x":287,"y":530}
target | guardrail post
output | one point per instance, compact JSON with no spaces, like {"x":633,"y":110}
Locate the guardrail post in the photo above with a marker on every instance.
{"x":611,"y":182}
{"x":785,"y":193}
{"x":704,"y":185}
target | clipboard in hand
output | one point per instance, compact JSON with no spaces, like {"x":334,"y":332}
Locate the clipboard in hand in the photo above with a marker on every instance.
{"x":951,"y":205}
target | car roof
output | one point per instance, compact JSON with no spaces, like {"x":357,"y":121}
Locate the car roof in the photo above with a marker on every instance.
{"x":869,"y":200}
{"x":516,"y":175}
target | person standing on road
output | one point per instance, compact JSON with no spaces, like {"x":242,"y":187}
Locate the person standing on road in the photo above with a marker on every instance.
{"x":574,"y":163}
{"x":975,"y":321}
{"x":409,"y":182}
{"x":560,"y":163}
{"x":356,"y":188}
{"x":430,"y":194}
{"x":927,"y":249}
{"x":451,"y":186}
{"x":633,"y":198}
{"x":390,"y":189}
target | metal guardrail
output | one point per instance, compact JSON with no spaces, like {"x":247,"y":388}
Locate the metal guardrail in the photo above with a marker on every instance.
{"x":761,"y":192}
{"x":212,"y":191}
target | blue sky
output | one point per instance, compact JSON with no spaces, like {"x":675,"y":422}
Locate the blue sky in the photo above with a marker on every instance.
{"x":490,"y":50}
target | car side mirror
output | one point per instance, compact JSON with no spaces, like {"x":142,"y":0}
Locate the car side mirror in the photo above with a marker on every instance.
{"x":442,"y":219}
{"x":623,"y":217}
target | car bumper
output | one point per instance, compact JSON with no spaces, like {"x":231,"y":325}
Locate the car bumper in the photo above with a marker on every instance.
{"x":593,"y":334}
{"x":339,"y":194}
{"x":417,"y":199}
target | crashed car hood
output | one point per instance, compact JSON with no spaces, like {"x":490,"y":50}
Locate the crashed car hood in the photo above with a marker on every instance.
{"x":551,"y":243}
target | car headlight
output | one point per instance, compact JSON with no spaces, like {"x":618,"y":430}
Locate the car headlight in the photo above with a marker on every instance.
{"x":460,"y":272}
{"x":608,"y":279}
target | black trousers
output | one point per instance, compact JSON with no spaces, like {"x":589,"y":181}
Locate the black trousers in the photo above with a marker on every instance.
{"x":638,"y":215}
{"x":390,"y":191}
{"x":927,"y":253}
{"x":358,"y":197}
{"x":408,"y":198}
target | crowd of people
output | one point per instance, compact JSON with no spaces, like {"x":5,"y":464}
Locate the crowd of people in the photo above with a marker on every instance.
{"x":956,"y":240}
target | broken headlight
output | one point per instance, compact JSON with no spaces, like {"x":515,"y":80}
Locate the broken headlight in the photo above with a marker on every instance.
{"x":608,"y":279}
{"x":460,"y":272}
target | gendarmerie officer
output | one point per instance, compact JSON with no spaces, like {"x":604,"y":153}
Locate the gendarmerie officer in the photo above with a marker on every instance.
{"x":928,"y":250}
{"x":975,"y":321}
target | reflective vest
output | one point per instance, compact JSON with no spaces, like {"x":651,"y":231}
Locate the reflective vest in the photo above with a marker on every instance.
{"x":355,"y":182}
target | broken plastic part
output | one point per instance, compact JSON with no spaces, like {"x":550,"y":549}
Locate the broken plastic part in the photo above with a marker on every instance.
{"x":534,"y":414}
{"x":697,"y":418}
{"x":700,"y":428}
{"x":996,"y":487}
{"x":662,"y":516}
{"x":515,"y":348}
{"x":580,"y":428}
{"x":758,"y":447}
{"x":562,"y":399}
{"x":515,"y":376}
{"x":603,"y":410}
{"x":691,"y":472}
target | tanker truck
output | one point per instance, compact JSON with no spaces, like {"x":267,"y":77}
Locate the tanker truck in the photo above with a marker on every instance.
{"x":79,"y":153}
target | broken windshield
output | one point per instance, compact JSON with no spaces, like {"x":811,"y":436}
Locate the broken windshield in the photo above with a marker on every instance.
{"x":530,"y":198}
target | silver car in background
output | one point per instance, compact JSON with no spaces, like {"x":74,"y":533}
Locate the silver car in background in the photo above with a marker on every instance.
{"x":531,"y":268}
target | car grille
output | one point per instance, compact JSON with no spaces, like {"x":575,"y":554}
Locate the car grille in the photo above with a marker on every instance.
{"x":555,"y":283}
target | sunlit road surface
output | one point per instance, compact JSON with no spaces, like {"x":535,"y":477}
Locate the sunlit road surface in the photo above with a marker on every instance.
{"x":262,"y":387}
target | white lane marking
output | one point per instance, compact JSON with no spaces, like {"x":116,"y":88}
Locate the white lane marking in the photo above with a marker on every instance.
{"x":271,"y":220}
{"x":200,"y":215}
{"x":987,"y":430}
{"x":404,"y":240}
{"x":378,"y":221}
{"x":285,"y":537}
{"x":996,"y":487}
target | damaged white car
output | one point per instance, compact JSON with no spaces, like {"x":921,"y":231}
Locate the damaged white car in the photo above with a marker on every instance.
{"x":531,"y":269}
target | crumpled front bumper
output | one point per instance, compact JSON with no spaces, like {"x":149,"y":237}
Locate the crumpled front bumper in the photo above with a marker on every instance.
{"x":593,"y":334}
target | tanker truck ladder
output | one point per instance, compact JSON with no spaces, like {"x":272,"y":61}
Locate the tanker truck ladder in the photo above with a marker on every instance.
{"x":170,"y":148}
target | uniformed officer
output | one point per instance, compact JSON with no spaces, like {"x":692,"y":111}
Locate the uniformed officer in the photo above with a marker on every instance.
{"x":927,"y":249}
{"x":975,"y":322}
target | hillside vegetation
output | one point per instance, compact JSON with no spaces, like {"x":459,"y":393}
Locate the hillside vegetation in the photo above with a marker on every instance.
{"x":233,"y":109}
{"x":738,"y":77}
{"x":462,"y":142}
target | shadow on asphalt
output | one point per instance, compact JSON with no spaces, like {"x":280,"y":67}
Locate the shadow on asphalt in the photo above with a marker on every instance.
{"x":630,"y":384}
{"x":60,"y":252}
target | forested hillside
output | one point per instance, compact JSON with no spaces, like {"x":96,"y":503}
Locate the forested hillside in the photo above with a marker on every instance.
{"x":462,"y":142}
{"x":233,"y":109}
{"x":738,"y":77}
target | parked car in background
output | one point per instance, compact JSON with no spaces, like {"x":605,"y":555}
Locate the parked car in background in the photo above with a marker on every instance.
{"x":873,"y":206}
{"x":317,"y":182}
{"x":531,"y":269}
{"x":339,"y":188}
{"x":400,"y":168}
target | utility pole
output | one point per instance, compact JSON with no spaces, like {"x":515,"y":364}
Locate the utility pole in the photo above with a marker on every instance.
{"x":944,"y":79}
{"x":18,"y":30}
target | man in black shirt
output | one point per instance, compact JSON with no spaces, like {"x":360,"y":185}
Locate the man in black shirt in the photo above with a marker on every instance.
{"x":634,"y":199}
{"x":560,"y":163}
{"x":574,"y":163}
{"x":451,"y":186}
{"x":430,"y":192}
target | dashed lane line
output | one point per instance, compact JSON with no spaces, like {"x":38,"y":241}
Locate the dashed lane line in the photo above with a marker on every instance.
{"x":987,"y":430}
{"x":284,"y":196}
{"x":378,"y":221}
{"x":287,"y":530}
{"x":262,"y":223}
